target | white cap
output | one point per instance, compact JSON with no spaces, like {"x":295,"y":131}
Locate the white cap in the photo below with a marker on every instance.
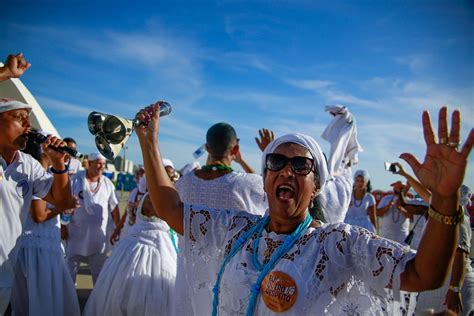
{"x":95,"y":156}
{"x":7,"y":104}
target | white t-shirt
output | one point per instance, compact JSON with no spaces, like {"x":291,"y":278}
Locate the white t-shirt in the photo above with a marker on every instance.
{"x":329,"y":270}
{"x":19,"y":181}
{"x":89,"y":233}
{"x":393,"y":225}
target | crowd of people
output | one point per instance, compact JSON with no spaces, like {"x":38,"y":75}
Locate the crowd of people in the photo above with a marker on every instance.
{"x":305,"y":236}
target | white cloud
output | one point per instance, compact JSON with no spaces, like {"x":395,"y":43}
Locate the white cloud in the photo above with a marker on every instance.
{"x":416,"y":63}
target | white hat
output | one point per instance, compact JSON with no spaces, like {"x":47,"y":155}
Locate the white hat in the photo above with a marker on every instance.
{"x":7,"y":104}
{"x":95,"y":156}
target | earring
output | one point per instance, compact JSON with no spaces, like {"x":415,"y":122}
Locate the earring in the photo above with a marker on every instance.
{"x":311,"y":204}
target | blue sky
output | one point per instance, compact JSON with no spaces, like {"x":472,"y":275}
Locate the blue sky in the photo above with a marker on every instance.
{"x":253,"y":64}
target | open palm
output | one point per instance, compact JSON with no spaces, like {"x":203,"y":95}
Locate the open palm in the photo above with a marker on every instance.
{"x":444,"y":166}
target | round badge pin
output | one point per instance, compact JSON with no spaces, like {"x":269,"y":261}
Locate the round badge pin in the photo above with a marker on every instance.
{"x":279,"y":291}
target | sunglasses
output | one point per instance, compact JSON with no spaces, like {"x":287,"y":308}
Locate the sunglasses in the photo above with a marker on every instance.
{"x":300,"y":165}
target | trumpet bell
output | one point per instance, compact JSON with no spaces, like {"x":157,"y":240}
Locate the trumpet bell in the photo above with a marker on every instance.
{"x":95,"y":121}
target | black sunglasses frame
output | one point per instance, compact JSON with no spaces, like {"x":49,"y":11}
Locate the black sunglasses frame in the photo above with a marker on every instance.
{"x":293,"y":163}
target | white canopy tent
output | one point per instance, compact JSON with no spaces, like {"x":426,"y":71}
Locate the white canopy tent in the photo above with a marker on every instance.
{"x":15,"y":89}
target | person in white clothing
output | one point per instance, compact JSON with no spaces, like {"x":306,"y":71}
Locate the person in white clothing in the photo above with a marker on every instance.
{"x":286,"y":262}
{"x":218,"y":185}
{"x":394,"y":220}
{"x":93,"y":222}
{"x":74,"y":164}
{"x":42,"y":284}
{"x":362,"y":207}
{"x":21,"y":178}
{"x":139,"y":276}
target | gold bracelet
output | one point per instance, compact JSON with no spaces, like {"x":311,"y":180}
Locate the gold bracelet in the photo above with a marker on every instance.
{"x":446,"y":219}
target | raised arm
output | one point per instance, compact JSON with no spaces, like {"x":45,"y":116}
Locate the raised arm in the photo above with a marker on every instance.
{"x":442,"y":173}
{"x":14,"y":67}
{"x":60,"y":193}
{"x":163,"y":194}
{"x":421,"y":190}
{"x":240,"y":160}
{"x":266,"y":137}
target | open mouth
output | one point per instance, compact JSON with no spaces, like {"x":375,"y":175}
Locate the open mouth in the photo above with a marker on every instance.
{"x":285,"y":193}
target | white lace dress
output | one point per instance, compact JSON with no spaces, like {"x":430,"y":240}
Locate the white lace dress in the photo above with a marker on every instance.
{"x":337,"y":269}
{"x":42,"y":285}
{"x":139,"y":277}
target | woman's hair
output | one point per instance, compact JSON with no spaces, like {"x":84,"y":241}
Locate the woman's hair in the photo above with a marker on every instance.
{"x":317,"y":209}
{"x":369,"y":186}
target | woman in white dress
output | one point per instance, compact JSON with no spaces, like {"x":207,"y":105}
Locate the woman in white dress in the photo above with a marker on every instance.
{"x":362,"y":207}
{"x":285,"y":261}
{"x":42,"y":284}
{"x":139,"y":277}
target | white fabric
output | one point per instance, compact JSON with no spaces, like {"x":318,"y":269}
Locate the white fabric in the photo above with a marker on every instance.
{"x":167,"y":163}
{"x":336,"y":188}
{"x":393,"y":225}
{"x":236,"y":191}
{"x":142,"y":187}
{"x":337,"y":268}
{"x":42,"y":281}
{"x":133,"y":200}
{"x":19,"y":181}
{"x":357,"y":213}
{"x":341,"y":133}
{"x":89,"y":232}
{"x":138,"y":278}
{"x":95,"y":156}
{"x":362,"y":173}
{"x":74,"y":166}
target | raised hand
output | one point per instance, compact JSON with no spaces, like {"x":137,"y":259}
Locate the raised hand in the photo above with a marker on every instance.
{"x":266,"y":137}
{"x":442,"y":171}
{"x":150,"y":118}
{"x":16,"y":65}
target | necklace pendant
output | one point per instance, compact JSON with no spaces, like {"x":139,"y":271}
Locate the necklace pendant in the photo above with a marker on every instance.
{"x":214,"y":168}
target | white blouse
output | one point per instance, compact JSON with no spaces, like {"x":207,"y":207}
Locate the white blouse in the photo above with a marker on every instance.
{"x":335,"y":261}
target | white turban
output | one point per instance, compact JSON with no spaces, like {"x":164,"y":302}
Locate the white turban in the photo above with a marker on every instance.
{"x":362,"y":173}
{"x":307,"y":142}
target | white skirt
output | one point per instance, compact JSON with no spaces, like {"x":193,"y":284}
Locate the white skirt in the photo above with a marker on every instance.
{"x":138,"y":278}
{"x":43,"y":284}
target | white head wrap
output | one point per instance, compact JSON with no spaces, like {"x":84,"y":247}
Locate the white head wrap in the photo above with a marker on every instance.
{"x":167,"y":163}
{"x":307,"y":142}
{"x":95,"y":156}
{"x":362,"y":173}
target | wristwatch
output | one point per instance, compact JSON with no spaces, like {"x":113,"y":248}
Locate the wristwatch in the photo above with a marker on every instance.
{"x":455,"y":289}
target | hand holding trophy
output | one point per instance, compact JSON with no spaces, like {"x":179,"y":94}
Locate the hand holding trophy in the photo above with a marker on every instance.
{"x":112,"y":132}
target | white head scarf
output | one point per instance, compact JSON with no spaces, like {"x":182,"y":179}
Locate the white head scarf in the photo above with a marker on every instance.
{"x":167,"y":163}
{"x":307,"y":142}
{"x":362,"y":173}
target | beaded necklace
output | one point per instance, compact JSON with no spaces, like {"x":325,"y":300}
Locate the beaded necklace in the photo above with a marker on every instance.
{"x":288,"y":242}
{"x":215,"y":167}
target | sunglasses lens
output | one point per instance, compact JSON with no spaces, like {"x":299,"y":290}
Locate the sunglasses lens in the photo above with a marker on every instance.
{"x":301,"y":165}
{"x":276,"y":162}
